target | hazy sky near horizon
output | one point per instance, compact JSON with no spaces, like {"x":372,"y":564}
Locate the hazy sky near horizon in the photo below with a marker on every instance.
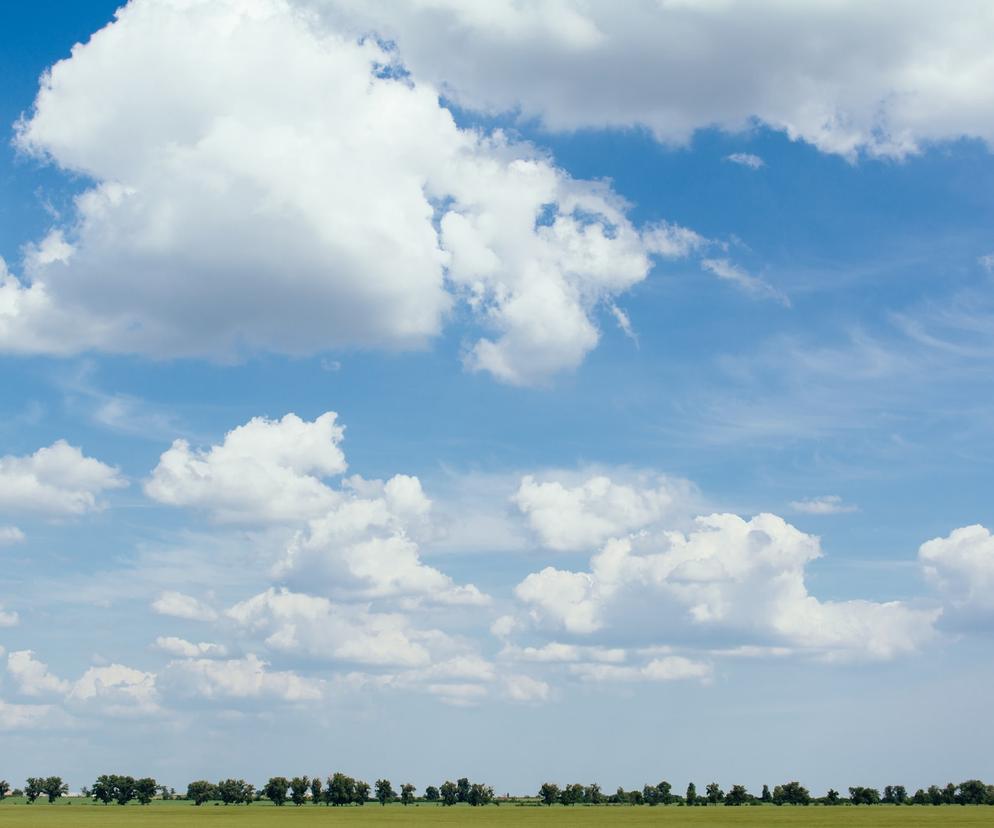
{"x":516,"y":391}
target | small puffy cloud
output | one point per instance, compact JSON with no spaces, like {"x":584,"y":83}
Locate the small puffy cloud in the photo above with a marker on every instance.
{"x":32,"y":677}
{"x":746,"y":159}
{"x":582,"y":514}
{"x":961,"y":566}
{"x":178,"y":605}
{"x":10,"y":535}
{"x":56,"y":481}
{"x":668,"y":668}
{"x":244,"y":678}
{"x":265,"y":470}
{"x":731,"y":272}
{"x":826,"y":505}
{"x":115,"y":690}
{"x":8,"y":618}
{"x":521,"y":688}
{"x":731,"y":576}
{"x":181,"y":648}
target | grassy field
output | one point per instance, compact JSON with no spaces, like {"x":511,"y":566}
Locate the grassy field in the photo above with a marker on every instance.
{"x":182,"y":814}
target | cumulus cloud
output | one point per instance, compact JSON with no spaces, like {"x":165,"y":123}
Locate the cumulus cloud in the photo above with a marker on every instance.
{"x":746,"y":159}
{"x":569,"y":517}
{"x":847,"y":77}
{"x":265,"y":470}
{"x":309,"y":203}
{"x":182,"y":648}
{"x":28,"y":716}
{"x":179,"y":605}
{"x":729,"y":576}
{"x":55,"y":481}
{"x":115,"y":690}
{"x":32,"y":677}
{"x":825,"y":505}
{"x":961,"y":566}
{"x":244,"y":678}
{"x":521,"y":688}
{"x":10,"y":535}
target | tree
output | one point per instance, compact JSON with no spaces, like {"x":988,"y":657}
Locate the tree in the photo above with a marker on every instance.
{"x":361,"y":792}
{"x":571,"y":794}
{"x":714,"y":793}
{"x":765,"y":796}
{"x":859,"y":795}
{"x":972,"y":792}
{"x":691,"y":794}
{"x":276,"y":788}
{"x":407,"y":794}
{"x":236,"y":791}
{"x":431,"y":794}
{"x":480,"y":794}
{"x":34,"y":787}
{"x":549,"y":792}
{"x":316,"y":790}
{"x":449,"y":793}
{"x":592,"y":794}
{"x":949,"y":794}
{"x":54,"y":788}
{"x":384,"y":791}
{"x":832,"y":797}
{"x":738,"y":795}
{"x":462,"y":786}
{"x":145,"y":790}
{"x":341,"y":790}
{"x":200,"y":791}
{"x":791,"y":793}
{"x":4,"y":788}
{"x":298,"y":789}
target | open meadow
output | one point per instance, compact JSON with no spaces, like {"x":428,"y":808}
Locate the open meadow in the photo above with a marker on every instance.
{"x":182,"y":814}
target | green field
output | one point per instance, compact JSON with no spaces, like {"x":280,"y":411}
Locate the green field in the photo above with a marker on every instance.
{"x":169,"y":814}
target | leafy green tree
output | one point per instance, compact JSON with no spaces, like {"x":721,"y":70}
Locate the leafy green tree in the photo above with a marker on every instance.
{"x":200,"y":792}
{"x":832,"y":797}
{"x":235,"y":791}
{"x":124,"y":788}
{"x":920,"y":798}
{"x":571,"y":794}
{"x":791,"y":793}
{"x":340,"y":790}
{"x":276,"y":788}
{"x":592,"y":794}
{"x":463,"y":787}
{"x":103,"y":789}
{"x":738,"y":795}
{"x":549,"y":792}
{"x":145,"y":789}
{"x":34,"y":787}
{"x":298,"y":789}
{"x":384,"y":791}
{"x":55,"y":788}
{"x":714,"y":793}
{"x":4,"y":789}
{"x":407,"y":794}
{"x":316,"y":790}
{"x":949,"y":794}
{"x":859,"y":795}
{"x":765,"y":796}
{"x":480,"y":794}
{"x":449,"y":793}
{"x":635,"y":798}
{"x":691,"y":798}
{"x":431,"y":794}
{"x":972,"y":792}
{"x":361,"y":792}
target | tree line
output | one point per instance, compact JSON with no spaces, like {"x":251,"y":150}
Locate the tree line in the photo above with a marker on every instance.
{"x":971,"y":792}
{"x":339,"y":789}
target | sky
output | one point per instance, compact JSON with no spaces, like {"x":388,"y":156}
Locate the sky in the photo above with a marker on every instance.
{"x":514,"y":391}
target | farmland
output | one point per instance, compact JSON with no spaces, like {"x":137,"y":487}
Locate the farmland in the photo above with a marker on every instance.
{"x":76,"y":812}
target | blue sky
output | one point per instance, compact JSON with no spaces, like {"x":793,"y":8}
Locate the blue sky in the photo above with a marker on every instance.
{"x":665,"y":387}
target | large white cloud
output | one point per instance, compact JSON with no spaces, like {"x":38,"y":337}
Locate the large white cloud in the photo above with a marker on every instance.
{"x":961,"y":565}
{"x":244,"y":678}
{"x":115,"y":690}
{"x":244,"y":202}
{"x":33,"y":677}
{"x":265,"y":470}
{"x":56,"y":481}
{"x":743,"y":579}
{"x":845,"y":75}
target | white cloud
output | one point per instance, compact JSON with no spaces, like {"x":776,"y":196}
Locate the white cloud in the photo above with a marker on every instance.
{"x":8,"y":618}
{"x":846,"y":76}
{"x":731,"y":272}
{"x":265,"y":470}
{"x":668,"y":668}
{"x":10,"y":535}
{"x":746,"y":159}
{"x":961,"y":566}
{"x":458,"y":694}
{"x":732,"y":576}
{"x":179,"y":605}
{"x":115,"y":690}
{"x":521,"y":688}
{"x":32,"y":677}
{"x":558,"y":652}
{"x":244,"y":678}
{"x":56,"y":481}
{"x":299,"y":205}
{"x":987,"y":262}
{"x":182,"y":648}
{"x":825,"y":505}
{"x":27,"y":716}
{"x":569,"y":517}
